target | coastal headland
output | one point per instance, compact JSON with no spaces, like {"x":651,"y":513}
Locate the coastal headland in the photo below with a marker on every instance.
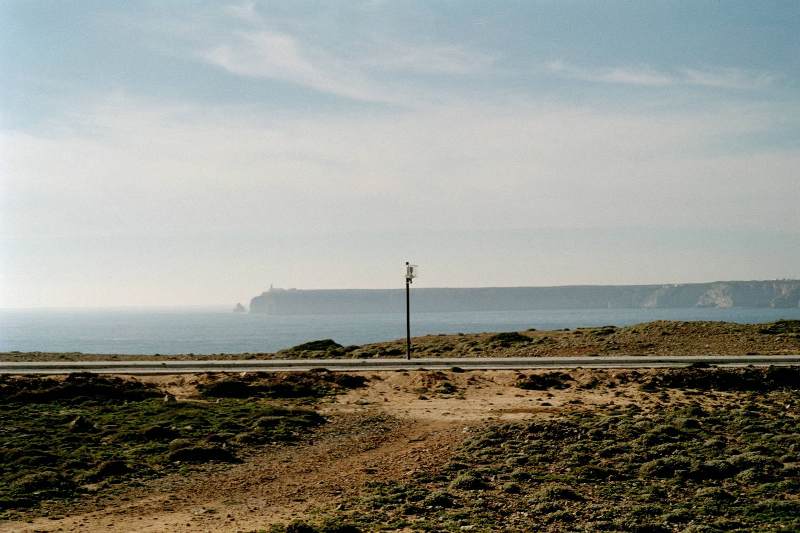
{"x":720,"y":294}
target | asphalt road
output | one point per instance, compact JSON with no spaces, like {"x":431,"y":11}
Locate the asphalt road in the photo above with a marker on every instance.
{"x":484,"y":363}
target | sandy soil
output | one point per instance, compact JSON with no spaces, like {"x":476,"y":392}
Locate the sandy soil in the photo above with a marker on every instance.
{"x":399,"y":424}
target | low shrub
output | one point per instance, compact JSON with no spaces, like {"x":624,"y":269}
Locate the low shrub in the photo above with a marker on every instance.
{"x":549,"y":380}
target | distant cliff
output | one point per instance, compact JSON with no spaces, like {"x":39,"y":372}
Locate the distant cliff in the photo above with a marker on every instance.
{"x":721,"y":294}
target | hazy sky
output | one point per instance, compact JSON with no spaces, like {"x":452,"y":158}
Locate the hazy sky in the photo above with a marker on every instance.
{"x":193,"y":153}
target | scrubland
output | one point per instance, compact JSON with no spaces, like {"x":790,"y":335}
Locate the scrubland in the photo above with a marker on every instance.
{"x":687,"y":449}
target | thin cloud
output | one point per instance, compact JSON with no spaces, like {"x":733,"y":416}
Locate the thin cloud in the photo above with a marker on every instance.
{"x":726,"y":78}
{"x":263,"y":49}
{"x":729,"y":78}
{"x":272,"y":55}
{"x":435,"y":59}
{"x":640,"y":76}
{"x":246,"y":12}
{"x":280,"y":56}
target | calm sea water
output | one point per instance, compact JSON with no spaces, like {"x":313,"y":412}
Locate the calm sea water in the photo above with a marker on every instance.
{"x":210,"y":331}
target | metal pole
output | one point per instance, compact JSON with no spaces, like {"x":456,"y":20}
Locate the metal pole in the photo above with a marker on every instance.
{"x":408,"y":315}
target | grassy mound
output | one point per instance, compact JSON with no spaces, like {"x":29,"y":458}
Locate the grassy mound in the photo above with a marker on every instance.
{"x":317,"y":346}
{"x":508,"y":338}
{"x":549,"y":380}
{"x":313,"y":384}
{"x":325,"y":348}
{"x":74,"y":388}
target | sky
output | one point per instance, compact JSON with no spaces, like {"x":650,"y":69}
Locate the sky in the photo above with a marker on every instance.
{"x":192,"y":153}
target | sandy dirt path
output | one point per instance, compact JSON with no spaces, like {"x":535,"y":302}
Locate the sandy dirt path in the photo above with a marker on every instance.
{"x":277,"y":486}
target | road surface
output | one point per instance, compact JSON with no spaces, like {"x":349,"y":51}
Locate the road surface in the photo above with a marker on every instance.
{"x":483,"y":363}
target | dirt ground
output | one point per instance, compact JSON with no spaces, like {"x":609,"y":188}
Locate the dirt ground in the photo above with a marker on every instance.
{"x":399,"y":424}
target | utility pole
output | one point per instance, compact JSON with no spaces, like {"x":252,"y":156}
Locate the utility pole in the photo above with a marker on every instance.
{"x":411,"y":273}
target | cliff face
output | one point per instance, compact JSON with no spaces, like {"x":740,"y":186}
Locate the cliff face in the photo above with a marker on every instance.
{"x":724,"y":294}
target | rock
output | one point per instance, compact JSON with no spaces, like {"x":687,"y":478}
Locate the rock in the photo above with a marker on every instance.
{"x":81,"y":423}
{"x":112,"y":468}
{"x":202,"y":454}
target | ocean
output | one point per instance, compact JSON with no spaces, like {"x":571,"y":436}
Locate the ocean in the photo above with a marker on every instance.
{"x":215,"y":330}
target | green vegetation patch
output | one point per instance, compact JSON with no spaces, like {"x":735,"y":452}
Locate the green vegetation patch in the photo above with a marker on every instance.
{"x":508,"y":338}
{"x":325,"y":348}
{"x":62,"y":438}
{"x":726,"y":379}
{"x":548,"y":380}
{"x":781,"y":327}
{"x":75,"y":388}
{"x":317,"y":346}
{"x":623,"y":469}
{"x":312,"y":384}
